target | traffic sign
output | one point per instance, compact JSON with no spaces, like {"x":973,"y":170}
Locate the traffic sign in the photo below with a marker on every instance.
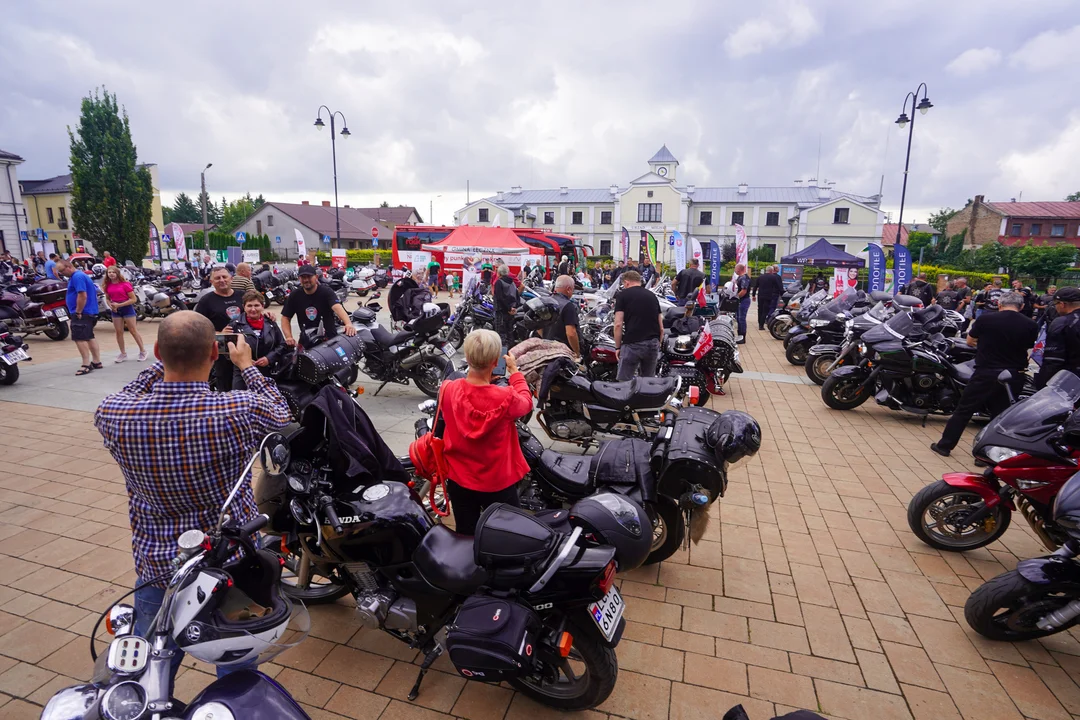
{"x":44,"y":235}
{"x":374,"y":243}
{"x":326,"y":239}
{"x":24,"y":236}
{"x":374,"y":232}
{"x":241,"y":237}
{"x":277,"y":239}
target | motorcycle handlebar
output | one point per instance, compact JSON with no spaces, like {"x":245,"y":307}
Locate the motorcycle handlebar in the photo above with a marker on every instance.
{"x":326,"y":504}
{"x":253,"y":526}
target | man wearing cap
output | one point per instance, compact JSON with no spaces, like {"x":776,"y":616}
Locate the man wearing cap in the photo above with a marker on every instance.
{"x":1062,"y":337}
{"x":316,"y":305}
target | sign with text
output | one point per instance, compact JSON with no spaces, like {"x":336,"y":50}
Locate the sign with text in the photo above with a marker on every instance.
{"x":251,"y":256}
{"x":338,"y":258}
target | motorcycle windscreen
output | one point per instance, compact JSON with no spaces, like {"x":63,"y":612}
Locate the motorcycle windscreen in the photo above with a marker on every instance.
{"x":879,"y":312}
{"x":1037,"y":416}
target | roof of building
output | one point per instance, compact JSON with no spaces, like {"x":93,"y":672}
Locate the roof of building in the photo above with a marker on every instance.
{"x":804,"y":196}
{"x":552,"y":197}
{"x":888,"y":234}
{"x":923,"y":228}
{"x":58,"y":184}
{"x":401,"y":215}
{"x":355,"y":225}
{"x":190,"y":228}
{"x":663,"y":155}
{"x":1037,"y":209}
{"x":5,"y":155}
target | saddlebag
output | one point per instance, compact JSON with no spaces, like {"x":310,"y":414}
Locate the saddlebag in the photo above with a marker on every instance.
{"x":492,"y":638}
{"x":47,"y":291}
{"x":330,"y":357}
{"x":724,"y":347}
{"x":688,"y":457}
{"x":512,"y":545}
{"x":625,"y":461}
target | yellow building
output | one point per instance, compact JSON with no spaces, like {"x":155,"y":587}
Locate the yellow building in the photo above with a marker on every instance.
{"x":48,"y":209}
{"x":785,"y":218}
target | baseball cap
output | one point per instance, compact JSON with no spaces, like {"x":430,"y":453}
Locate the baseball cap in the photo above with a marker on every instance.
{"x":306,"y":270}
{"x":1067,"y":294}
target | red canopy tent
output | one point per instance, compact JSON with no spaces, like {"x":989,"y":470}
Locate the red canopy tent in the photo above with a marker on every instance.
{"x":483,"y":243}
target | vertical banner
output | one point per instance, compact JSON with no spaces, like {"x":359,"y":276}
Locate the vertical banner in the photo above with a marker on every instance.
{"x":625,"y":243}
{"x":877,"y":267}
{"x":652,"y":248}
{"x":337,"y":258}
{"x":696,"y":254}
{"x":643,"y":246}
{"x":680,"y":251}
{"x":902,"y":265}
{"x":714,"y":264}
{"x":839,"y":281}
{"x":178,"y":239}
{"x":742,"y":247}
{"x":301,"y":250}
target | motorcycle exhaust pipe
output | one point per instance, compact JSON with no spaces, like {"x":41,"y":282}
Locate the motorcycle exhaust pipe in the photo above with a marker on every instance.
{"x":1059,"y":618}
{"x":425,"y":353}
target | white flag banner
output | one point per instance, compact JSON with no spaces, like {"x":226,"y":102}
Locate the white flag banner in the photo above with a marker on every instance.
{"x":742,"y":247}
{"x":680,"y":251}
{"x":301,"y":249}
{"x":178,"y":240}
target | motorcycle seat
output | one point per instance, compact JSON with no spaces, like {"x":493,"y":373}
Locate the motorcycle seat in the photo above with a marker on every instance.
{"x":880,"y":296}
{"x":906,"y":301}
{"x":964,"y":370}
{"x":446,"y":560}
{"x":640,"y":393}
{"x":567,"y":473}
{"x":386,"y":339}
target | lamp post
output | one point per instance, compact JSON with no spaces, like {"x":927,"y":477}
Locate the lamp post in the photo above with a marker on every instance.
{"x":204,"y":201}
{"x":333,"y":151}
{"x":431,"y":209}
{"x":923,"y":106}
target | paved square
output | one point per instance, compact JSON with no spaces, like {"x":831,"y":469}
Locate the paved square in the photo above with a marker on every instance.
{"x":808,"y":590}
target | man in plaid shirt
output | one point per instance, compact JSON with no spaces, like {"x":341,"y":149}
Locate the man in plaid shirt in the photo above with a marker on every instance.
{"x":181,"y":447}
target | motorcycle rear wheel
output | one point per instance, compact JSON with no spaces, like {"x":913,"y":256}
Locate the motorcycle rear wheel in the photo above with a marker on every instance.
{"x":940,"y":505}
{"x":797,"y":352}
{"x":1008,"y":606}
{"x":778,"y":328}
{"x":843,"y":393}
{"x":669,"y":530}
{"x":429,"y":376}
{"x":586,"y":678}
{"x":816,"y":365}
{"x":8,"y":374}
{"x":58,"y":331}
{"x":318,"y":591}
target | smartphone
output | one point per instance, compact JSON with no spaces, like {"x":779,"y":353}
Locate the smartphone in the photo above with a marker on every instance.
{"x":500,"y":367}
{"x":223,"y":340}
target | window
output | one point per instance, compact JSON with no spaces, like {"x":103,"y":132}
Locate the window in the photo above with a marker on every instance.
{"x":705,"y":218}
{"x":649,"y":193}
{"x":482,"y":215}
{"x":839,"y":246}
{"x":63,"y":213}
{"x":1036,"y":229}
{"x":258,"y":228}
{"x":1057,"y":230}
{"x":48,"y":211}
{"x":650,"y":212}
{"x":67,"y":244}
{"x":549,"y":218}
{"x":605,"y":217}
{"x":737,"y":218}
{"x":840,"y":216}
{"x":269,"y":221}
{"x":575,"y":217}
{"x":772,"y":218}
{"x":1014,"y":229}
{"x":605,"y":247}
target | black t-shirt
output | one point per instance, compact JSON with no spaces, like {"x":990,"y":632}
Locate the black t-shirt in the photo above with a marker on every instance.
{"x":1029,"y":301}
{"x":948,"y":299}
{"x":962,"y":294}
{"x":687,"y":281}
{"x":568,"y":315}
{"x":221,"y":310}
{"x":641,"y":311}
{"x":742,"y":283}
{"x":1004,"y":340}
{"x":312,"y":310}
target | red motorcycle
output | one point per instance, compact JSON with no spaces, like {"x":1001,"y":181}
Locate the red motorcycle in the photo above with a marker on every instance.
{"x":1030,"y":451}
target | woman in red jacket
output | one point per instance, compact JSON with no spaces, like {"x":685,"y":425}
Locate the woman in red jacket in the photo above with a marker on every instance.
{"x":481,"y":442}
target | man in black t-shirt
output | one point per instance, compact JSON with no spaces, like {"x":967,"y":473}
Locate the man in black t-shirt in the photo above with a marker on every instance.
{"x":313,"y":305}
{"x":947,"y":298}
{"x":1062,"y":337}
{"x":1029,"y":298}
{"x":222,"y":307}
{"x":963,"y":295}
{"x":639,"y":325}
{"x":1002,"y":341}
{"x":687,"y":281}
{"x":565,"y":329}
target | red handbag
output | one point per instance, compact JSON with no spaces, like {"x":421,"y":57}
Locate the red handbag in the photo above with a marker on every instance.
{"x":429,"y":462}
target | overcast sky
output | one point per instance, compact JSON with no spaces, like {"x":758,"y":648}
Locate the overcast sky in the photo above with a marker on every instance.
{"x":440,"y":92}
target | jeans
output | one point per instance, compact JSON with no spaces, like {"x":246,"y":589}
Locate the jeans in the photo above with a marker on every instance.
{"x":468,"y":505}
{"x":147,"y":603}
{"x":638,"y":358}
{"x":504,"y":325}
{"x":744,"y":308}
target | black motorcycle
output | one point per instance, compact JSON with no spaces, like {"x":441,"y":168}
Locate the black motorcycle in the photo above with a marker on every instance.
{"x":800,"y":322}
{"x":473,"y":313}
{"x":12,"y":350}
{"x":825,"y":325}
{"x":530,"y":601}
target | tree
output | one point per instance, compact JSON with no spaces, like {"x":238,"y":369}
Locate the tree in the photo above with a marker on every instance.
{"x":384,"y":204}
{"x":728,"y":252}
{"x":941,"y":218}
{"x":259,"y":201}
{"x":213,"y":213}
{"x":236,"y":212}
{"x":921,"y":241}
{"x":111,"y":195}
{"x":1044,"y":263}
{"x":996,"y":257}
{"x":1075,"y":197}
{"x":184,"y":210}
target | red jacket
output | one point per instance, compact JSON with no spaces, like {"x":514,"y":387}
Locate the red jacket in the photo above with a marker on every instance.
{"x":481,"y":441}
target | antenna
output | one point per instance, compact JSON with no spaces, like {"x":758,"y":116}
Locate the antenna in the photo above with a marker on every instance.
{"x":818,"y":173}
{"x":884,"y":162}
{"x":466,"y":192}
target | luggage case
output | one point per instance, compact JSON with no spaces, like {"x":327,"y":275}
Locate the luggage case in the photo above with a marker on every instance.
{"x":687,"y":456}
{"x":330,"y":357}
{"x":492,"y":638}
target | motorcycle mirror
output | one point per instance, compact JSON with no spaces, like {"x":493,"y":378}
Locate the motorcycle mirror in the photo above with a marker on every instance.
{"x":267,"y":446}
{"x":275,"y":454}
{"x":1004,"y":377}
{"x":121,"y":620}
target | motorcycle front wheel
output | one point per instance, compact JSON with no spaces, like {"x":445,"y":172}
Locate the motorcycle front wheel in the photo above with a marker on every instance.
{"x":817,"y":367}
{"x":1008,"y":607}
{"x":936,"y":515}
{"x":843,"y":392}
{"x":317,"y":590}
{"x":584,"y":679}
{"x":429,"y":375}
{"x":778,"y":328}
{"x":797,"y":352}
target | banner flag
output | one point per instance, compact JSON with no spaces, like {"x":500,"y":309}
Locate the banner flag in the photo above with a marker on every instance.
{"x":714,"y":264}
{"x":742,"y":247}
{"x":301,"y":250}
{"x":178,"y":238}
{"x":625,"y":243}
{"x":652,"y":248}
{"x":680,"y":251}
{"x":902,"y":266}
{"x":877,"y":267}
{"x":704,"y":343}
{"x":643,"y":246}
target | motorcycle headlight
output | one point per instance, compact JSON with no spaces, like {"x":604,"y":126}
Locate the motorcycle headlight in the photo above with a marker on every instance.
{"x":819,"y":323}
{"x":1000,"y":454}
{"x":862,"y":348}
{"x":850,"y":323}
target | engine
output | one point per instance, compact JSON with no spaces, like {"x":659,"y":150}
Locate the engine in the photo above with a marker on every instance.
{"x":379,"y":606}
{"x":929,"y":391}
{"x":565,"y":426}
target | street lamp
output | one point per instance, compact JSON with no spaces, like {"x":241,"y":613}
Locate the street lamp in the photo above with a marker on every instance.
{"x":333,"y":150}
{"x":903,"y":121}
{"x":205,"y":201}
{"x":430,"y":209}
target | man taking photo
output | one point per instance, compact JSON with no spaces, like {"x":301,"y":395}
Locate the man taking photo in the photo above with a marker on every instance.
{"x":639,"y":325}
{"x":316,"y":306}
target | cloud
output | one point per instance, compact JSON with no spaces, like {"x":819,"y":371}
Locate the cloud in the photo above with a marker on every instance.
{"x":1044,"y":172}
{"x":973,"y":61}
{"x":790,"y":23}
{"x":1047,"y":50}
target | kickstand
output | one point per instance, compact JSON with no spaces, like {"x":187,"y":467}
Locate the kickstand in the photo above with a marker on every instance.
{"x":924,"y":420}
{"x":429,"y":659}
{"x":381,"y":387}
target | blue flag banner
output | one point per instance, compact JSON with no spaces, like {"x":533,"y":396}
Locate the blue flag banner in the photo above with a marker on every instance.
{"x":902,"y":267}
{"x":877,"y":267}
{"x":714,"y":264}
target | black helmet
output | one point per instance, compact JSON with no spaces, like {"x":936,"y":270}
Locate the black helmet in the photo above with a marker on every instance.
{"x":540,"y":312}
{"x":733,"y":436}
{"x":1067,"y":505}
{"x":617,"y":521}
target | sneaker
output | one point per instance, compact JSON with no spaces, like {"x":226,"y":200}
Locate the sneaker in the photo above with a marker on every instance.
{"x":142,"y":355}
{"x":121,"y":357}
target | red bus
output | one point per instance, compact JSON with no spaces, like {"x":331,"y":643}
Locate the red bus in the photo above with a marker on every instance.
{"x":555,"y":246}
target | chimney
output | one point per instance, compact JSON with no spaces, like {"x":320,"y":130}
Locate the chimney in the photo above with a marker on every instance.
{"x":563,"y":190}
{"x":690,"y":189}
{"x":614,"y":189}
{"x":326,"y":203}
{"x":812,"y":182}
{"x":515,"y":189}
{"x":824,"y":192}
{"x":499,"y":195}
{"x":345,"y":206}
{"x":305,"y":202}
{"x":743,"y":188}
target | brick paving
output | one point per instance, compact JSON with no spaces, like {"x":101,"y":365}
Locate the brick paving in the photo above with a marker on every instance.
{"x":808,"y":590}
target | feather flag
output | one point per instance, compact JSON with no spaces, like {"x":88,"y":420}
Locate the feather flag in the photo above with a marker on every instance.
{"x":704,"y":343}
{"x":652,"y":248}
{"x":643,"y":246}
{"x":625,"y":243}
{"x":680,"y":251}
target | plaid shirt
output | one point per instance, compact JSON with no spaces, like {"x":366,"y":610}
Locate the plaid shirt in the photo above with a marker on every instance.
{"x":181,"y":448}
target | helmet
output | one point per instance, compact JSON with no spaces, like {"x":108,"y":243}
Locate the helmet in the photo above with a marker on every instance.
{"x":236,"y":614}
{"x":684,"y":344}
{"x":430,"y":310}
{"x":617,"y":521}
{"x":733,"y":436}
{"x":540,"y":312}
{"x":98,"y":269}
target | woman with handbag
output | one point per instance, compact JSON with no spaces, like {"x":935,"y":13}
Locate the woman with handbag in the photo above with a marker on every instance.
{"x":482,"y":455}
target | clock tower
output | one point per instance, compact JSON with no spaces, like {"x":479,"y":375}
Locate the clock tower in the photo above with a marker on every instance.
{"x":663,"y":163}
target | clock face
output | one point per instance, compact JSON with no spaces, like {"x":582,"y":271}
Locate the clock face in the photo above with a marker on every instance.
{"x":662,"y":172}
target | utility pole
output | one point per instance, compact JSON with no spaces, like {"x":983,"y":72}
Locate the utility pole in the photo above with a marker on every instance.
{"x":205,"y":201}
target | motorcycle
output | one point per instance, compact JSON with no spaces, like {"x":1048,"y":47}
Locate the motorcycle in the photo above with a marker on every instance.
{"x":801,"y":319}
{"x":1030,"y":451}
{"x":39,"y":307}
{"x":1041,"y":596}
{"x":382,"y":278}
{"x":12,"y":350}
{"x":133,"y":679}
{"x":159,"y":298}
{"x":782,"y":318}
{"x":363,"y":281}
{"x":550,"y":577}
{"x":473,"y":313}
{"x":825,"y":325}
{"x":701,"y":363}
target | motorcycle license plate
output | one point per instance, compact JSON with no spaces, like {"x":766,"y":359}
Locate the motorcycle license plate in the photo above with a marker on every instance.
{"x":60,"y":313}
{"x":269,"y":294}
{"x":15,"y":356}
{"x":608,"y":612}
{"x":448,"y":350}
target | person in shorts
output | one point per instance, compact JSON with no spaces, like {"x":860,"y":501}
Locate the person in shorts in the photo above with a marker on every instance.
{"x":121,"y":298}
{"x":82,"y":306}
